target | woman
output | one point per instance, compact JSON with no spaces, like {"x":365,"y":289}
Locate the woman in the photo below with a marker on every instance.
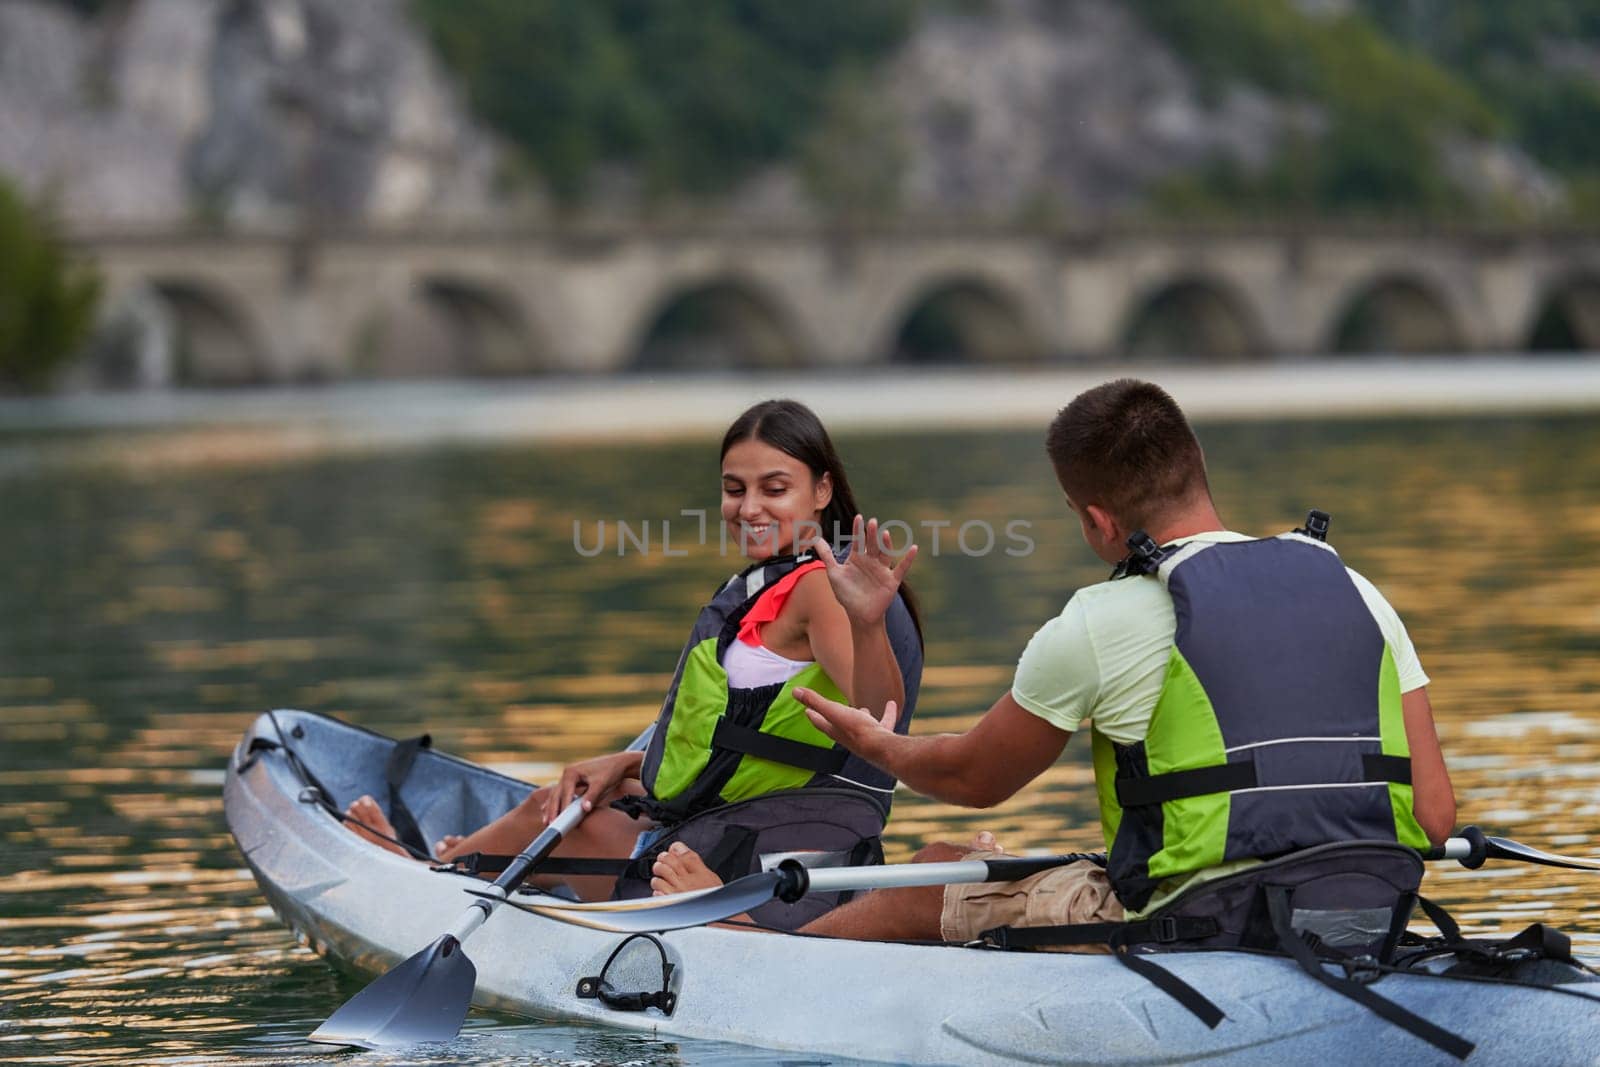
{"x":730,"y":732}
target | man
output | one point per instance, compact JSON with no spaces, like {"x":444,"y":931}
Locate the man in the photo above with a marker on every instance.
{"x":1211,"y":637}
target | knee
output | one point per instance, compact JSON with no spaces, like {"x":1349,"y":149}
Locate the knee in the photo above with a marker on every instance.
{"x":939,"y":852}
{"x":534,"y":802}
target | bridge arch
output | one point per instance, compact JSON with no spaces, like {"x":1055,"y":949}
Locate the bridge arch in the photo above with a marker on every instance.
{"x":175,"y":330}
{"x":1192,"y":317}
{"x":1396,"y":312}
{"x":1566,"y":317}
{"x":726,"y":322}
{"x":448,"y":325}
{"x":965,"y":319}
{"x":178,"y":330}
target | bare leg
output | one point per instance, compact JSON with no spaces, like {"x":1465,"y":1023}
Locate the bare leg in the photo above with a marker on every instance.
{"x":909,"y":914}
{"x":367,"y":817}
{"x":604,"y":833}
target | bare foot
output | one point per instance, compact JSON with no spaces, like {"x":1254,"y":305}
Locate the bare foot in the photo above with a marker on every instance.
{"x":366,"y":817}
{"x":680,"y":869}
{"x":984,"y":841}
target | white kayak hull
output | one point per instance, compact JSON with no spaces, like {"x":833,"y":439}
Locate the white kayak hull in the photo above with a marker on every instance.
{"x":368,"y":909}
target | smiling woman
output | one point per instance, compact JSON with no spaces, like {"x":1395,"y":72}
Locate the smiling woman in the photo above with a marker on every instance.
{"x":804,"y":612}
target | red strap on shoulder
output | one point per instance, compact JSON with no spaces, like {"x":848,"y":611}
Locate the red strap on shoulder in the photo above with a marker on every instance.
{"x":769,"y":605}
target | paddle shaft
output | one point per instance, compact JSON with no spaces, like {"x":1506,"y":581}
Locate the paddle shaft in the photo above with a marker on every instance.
{"x":493,"y":895}
{"x":903,"y":875}
{"x":481,"y":908}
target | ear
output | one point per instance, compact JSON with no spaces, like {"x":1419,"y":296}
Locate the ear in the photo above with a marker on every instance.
{"x":1105,"y":527}
{"x":822,"y":491}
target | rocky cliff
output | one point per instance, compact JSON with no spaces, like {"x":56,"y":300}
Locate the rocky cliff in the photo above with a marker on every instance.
{"x":255,"y":112}
{"x":282,"y":113}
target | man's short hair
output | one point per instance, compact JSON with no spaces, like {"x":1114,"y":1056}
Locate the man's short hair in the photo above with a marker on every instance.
{"x":1126,"y":447}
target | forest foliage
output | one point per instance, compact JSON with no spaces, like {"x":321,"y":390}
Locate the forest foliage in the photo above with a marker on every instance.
{"x":47,"y":300}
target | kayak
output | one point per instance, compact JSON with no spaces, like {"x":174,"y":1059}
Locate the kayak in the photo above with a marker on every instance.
{"x":366,"y":909}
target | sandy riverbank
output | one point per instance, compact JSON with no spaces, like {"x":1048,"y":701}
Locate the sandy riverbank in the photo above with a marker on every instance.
{"x":368,"y":415}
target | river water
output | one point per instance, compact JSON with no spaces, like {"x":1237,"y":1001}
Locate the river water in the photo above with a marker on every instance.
{"x":154,"y":599}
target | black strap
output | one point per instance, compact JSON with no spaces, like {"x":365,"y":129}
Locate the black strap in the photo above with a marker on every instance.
{"x":1291,"y":942}
{"x":1227,"y":777}
{"x":1376,"y":768}
{"x":493,"y":863}
{"x":735,"y":738}
{"x":1144,"y":556}
{"x":734,"y":854}
{"x":1449,"y":929}
{"x":401,"y":759}
{"x":598,"y":988}
{"x":1541,"y":941}
{"x":1176,"y":785}
{"x":1163,"y":931}
{"x":1537,"y":941}
{"x":1169,"y":983}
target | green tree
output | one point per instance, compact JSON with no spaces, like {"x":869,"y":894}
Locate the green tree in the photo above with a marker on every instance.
{"x":47,"y":301}
{"x":1386,"y":105}
{"x":692,"y":95}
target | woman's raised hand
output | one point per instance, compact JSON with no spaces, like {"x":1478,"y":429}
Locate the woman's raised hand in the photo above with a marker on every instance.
{"x":865,"y":583}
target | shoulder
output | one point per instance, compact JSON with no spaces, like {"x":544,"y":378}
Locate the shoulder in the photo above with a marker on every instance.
{"x":811,"y":595}
{"x":1376,"y":602}
{"x":1407,"y":663}
{"x":1098,"y":611}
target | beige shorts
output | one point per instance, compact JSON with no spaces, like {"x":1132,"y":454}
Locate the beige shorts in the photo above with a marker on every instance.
{"x":1076,"y":893}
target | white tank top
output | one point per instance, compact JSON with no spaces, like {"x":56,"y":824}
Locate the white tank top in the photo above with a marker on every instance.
{"x":752,"y":666}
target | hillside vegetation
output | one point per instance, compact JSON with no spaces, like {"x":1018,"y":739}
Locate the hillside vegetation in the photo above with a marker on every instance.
{"x":696,"y":97}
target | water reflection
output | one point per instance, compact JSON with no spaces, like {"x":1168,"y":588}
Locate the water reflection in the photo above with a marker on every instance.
{"x":149,"y":610}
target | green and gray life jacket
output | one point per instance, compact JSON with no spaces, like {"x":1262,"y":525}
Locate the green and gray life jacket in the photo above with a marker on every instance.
{"x":717,"y":745}
{"x":1278,"y":725}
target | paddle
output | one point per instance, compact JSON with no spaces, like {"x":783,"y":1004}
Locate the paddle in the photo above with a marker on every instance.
{"x":1473,"y":847}
{"x":790,"y":881}
{"x":426,"y":998}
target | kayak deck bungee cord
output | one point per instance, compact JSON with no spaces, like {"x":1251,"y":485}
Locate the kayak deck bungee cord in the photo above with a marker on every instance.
{"x":369,"y":909}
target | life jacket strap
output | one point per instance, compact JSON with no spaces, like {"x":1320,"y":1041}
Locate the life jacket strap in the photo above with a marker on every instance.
{"x":1144,"y":556}
{"x":1229,"y":777}
{"x":1176,"y":785}
{"x":735,"y":738}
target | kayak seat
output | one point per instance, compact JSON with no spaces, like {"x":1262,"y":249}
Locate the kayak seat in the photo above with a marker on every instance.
{"x":435,"y":794}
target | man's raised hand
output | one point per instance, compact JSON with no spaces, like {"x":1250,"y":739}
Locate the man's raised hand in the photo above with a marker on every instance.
{"x":854,"y":728}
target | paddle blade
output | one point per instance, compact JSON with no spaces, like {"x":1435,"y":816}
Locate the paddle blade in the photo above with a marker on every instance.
{"x":1501,"y":848}
{"x":653,"y":914}
{"x":423,"y":999}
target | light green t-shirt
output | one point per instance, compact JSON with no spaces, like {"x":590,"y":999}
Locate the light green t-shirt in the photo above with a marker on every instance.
{"x":1105,"y":656}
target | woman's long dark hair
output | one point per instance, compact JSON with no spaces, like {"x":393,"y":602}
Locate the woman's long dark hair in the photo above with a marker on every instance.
{"x":794,"y":429}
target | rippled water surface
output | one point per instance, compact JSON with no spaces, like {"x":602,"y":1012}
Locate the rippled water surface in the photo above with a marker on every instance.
{"x":154,"y":598}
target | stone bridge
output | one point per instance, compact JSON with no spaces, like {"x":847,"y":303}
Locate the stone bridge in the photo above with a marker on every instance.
{"x":213,"y":309}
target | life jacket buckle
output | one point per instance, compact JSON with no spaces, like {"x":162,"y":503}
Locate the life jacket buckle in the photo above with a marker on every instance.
{"x":1144,"y":556}
{"x":1316,"y":526}
{"x":1165,"y":929}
